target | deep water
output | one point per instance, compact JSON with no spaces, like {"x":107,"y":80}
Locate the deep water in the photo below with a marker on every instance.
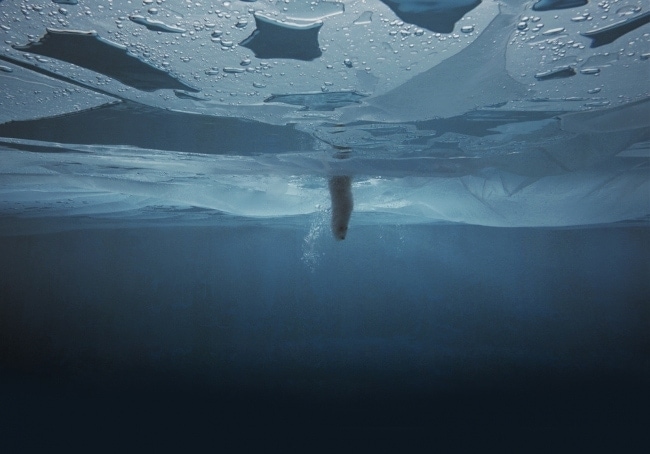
{"x":421,"y":325}
{"x":244,"y":220}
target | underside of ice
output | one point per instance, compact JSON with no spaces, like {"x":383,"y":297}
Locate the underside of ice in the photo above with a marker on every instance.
{"x":501,"y":113}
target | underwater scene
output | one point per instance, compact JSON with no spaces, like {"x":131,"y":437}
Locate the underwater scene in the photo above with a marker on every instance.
{"x":355,"y":213}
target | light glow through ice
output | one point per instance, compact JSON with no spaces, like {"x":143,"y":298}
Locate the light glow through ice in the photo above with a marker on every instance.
{"x":510,"y":113}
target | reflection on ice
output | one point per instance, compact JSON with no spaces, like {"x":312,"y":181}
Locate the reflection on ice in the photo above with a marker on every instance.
{"x":128,"y":185}
{"x":521,"y":170}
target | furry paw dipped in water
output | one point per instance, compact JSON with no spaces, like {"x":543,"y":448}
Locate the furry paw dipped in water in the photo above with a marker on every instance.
{"x":341,"y":194}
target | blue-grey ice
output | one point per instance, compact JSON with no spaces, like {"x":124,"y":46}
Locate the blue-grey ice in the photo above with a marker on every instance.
{"x":486,"y":127}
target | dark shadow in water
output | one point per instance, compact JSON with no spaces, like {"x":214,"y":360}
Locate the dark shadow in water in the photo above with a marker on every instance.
{"x":88,"y":50}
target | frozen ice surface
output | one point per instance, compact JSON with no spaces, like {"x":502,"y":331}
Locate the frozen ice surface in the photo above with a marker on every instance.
{"x":492,"y":113}
{"x":484,"y":168}
{"x":87,"y":50}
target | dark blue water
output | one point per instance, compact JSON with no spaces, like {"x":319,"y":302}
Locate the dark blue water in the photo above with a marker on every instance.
{"x":167,"y":263}
{"x":444,"y":326}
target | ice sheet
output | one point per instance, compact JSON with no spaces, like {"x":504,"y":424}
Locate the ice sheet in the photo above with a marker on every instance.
{"x":236,"y":54}
{"x":490,"y":113}
{"x":527,"y":170}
